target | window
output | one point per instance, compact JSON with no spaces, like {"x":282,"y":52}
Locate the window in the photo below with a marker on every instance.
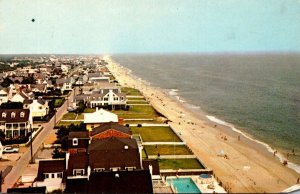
{"x":78,"y":172}
{"x":53,"y":175}
{"x":46,"y":175}
{"x":105,"y":99}
{"x":75,"y":142}
{"x":13,"y":115}
{"x":4,"y":115}
{"x":122,"y":98}
{"x":92,"y":126}
{"x":40,"y":107}
{"x":115,"y":169}
{"x":99,"y":169}
{"x":130,"y":168}
{"x":59,"y":175}
{"x":22,"y":114}
{"x":116,"y":98}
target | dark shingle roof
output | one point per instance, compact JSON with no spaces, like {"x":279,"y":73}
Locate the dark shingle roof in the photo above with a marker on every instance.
{"x":8,"y":117}
{"x":111,"y":125}
{"x":114,"y":152}
{"x":78,"y":134}
{"x":138,"y":181}
{"x":27,"y":190}
{"x":50,"y":166}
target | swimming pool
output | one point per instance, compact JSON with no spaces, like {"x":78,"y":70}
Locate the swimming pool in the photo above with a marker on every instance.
{"x":184,"y":185}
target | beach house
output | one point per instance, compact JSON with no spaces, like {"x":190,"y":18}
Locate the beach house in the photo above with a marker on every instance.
{"x":38,"y":107}
{"x":99,"y":117}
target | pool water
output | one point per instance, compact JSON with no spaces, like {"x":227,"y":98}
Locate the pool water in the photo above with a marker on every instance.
{"x":205,"y":176}
{"x":184,"y":185}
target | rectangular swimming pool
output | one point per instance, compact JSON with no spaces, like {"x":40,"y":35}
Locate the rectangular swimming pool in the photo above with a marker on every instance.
{"x":184,"y":185}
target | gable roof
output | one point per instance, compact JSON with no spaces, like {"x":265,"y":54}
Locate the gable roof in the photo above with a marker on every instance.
{"x":114,"y":152}
{"x":50,"y":166}
{"x":100,"y":116}
{"x":17,"y":118}
{"x":78,"y":134}
{"x":111,"y":125}
{"x":77,"y":161}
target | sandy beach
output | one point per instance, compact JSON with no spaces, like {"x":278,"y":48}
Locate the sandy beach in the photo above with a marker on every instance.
{"x":250,"y":167}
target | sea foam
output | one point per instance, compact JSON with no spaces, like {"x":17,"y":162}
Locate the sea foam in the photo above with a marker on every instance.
{"x":268,"y":147}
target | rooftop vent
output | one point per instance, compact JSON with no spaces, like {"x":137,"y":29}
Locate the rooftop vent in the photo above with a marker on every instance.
{"x":126,"y":147}
{"x":117,"y":175}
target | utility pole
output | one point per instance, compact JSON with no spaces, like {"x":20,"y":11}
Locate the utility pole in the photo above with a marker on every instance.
{"x":31,"y":161}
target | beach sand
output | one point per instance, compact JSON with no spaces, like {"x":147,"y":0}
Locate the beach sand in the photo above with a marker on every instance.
{"x":249,"y":167}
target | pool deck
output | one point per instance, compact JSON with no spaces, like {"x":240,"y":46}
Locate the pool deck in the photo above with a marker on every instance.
{"x":203,"y":184}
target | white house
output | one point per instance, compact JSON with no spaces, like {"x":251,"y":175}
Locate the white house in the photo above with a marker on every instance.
{"x":38,"y":108}
{"x":105,"y":94}
{"x":99,"y":117}
{"x":64,"y":84}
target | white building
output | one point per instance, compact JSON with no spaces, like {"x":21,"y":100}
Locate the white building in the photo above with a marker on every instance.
{"x":38,"y":108}
{"x":99,"y":117}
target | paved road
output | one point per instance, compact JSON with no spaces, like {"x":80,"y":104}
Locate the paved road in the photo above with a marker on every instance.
{"x":18,"y":169}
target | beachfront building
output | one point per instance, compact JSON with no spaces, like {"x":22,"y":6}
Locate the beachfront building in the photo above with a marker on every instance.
{"x":109,"y":130}
{"x":15,"y":122}
{"x":103,"y":95}
{"x":99,"y":117}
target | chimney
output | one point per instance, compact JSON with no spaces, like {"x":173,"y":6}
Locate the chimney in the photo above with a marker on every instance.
{"x":88,"y":172}
{"x":151,"y":169}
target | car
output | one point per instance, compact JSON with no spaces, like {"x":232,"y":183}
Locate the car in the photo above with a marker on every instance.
{"x":10,"y":150}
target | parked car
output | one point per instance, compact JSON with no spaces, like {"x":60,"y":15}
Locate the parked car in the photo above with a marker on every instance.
{"x":10,"y":150}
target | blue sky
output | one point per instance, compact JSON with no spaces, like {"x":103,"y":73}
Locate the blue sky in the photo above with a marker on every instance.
{"x":136,"y":26}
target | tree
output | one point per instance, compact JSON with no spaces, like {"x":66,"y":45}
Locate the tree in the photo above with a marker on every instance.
{"x":6,"y":82}
{"x":58,"y":154}
{"x":28,"y":80}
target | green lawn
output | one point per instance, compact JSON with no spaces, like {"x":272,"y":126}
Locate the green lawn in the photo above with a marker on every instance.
{"x":133,"y":98}
{"x":136,"y":112}
{"x":156,"y":134}
{"x":89,"y":110}
{"x":69,"y":116}
{"x":58,"y":102}
{"x":144,"y":155}
{"x":167,"y":150}
{"x":80,"y":117}
{"x":137,"y":102}
{"x":144,"y":121}
{"x":131,"y":91}
{"x":176,"y":164}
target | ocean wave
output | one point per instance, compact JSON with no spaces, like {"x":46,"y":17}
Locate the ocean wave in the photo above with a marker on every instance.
{"x":268,"y":147}
{"x":173,"y":92}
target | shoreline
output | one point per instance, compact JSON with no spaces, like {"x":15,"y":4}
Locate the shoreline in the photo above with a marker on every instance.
{"x":234,"y":173}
